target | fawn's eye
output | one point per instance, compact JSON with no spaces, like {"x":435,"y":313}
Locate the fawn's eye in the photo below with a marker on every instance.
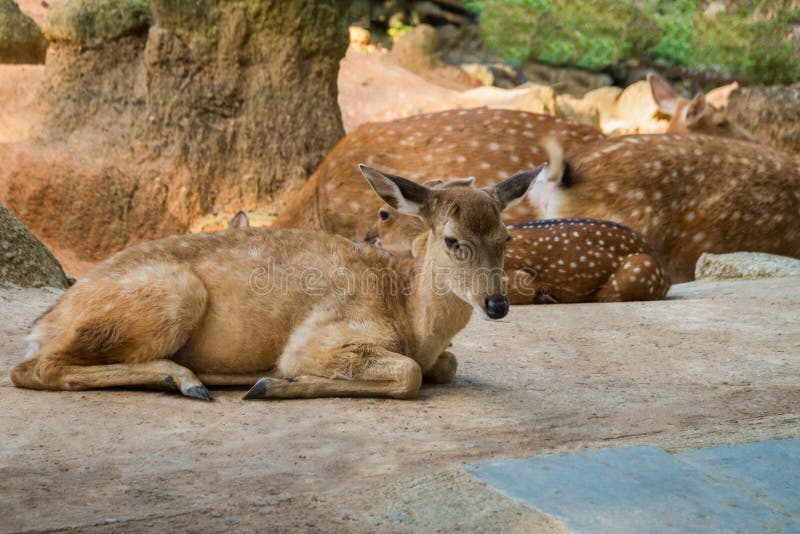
{"x":383,"y":214}
{"x":723,"y":125}
{"x":452,"y":243}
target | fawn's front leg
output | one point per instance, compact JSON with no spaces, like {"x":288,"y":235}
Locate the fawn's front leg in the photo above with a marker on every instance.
{"x":367,"y":371}
{"x":443,"y":370}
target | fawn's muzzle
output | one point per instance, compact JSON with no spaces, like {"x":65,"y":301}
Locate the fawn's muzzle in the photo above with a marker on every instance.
{"x":496,"y":306}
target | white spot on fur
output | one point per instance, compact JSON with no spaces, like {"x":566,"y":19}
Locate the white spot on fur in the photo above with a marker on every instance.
{"x":33,"y":348}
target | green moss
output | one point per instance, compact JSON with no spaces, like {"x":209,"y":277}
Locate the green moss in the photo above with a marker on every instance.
{"x":203,"y":23}
{"x":93,"y":22}
{"x":21,"y":41}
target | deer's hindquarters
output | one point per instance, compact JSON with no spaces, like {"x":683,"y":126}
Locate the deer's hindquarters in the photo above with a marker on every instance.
{"x":138,"y":316}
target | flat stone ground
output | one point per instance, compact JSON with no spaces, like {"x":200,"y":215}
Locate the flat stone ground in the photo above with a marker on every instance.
{"x":718,"y":363}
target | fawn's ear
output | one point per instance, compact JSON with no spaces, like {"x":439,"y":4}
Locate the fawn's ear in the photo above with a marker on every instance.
{"x":696,"y":109}
{"x":239,"y":220}
{"x":666,"y":99}
{"x":512,"y":190}
{"x":403,"y":195}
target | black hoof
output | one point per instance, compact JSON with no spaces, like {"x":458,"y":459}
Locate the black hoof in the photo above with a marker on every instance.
{"x":198,"y":392}
{"x":259,"y":390}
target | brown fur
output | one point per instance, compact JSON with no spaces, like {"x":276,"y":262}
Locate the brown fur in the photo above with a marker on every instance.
{"x":562,"y":260}
{"x":221,"y":306}
{"x":688,"y":194}
{"x":489,"y":144}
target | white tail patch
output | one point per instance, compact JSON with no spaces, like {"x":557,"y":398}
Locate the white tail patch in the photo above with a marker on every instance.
{"x":545,"y":183}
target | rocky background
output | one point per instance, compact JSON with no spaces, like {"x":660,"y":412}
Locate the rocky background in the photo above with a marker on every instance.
{"x":152,"y":117}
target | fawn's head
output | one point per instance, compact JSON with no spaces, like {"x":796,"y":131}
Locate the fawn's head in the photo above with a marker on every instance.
{"x":692,"y":116}
{"x":466,"y":239}
{"x":397,"y":232}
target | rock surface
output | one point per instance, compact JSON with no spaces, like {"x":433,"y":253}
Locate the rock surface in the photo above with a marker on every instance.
{"x":688,"y":372}
{"x":771,"y":114}
{"x":24,"y":261}
{"x":21,"y":40}
{"x":157,"y":117}
{"x":745,"y":265}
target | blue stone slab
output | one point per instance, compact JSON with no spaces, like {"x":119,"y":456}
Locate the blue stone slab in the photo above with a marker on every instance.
{"x":766,"y":471}
{"x":636,"y":489}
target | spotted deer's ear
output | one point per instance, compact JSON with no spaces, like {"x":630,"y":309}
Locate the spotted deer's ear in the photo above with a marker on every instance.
{"x":696,"y":109}
{"x":403,"y":195}
{"x":666,"y":99}
{"x":512,"y":190}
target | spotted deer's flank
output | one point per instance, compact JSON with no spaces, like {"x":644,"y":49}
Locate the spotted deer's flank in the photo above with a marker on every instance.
{"x":688,"y":194}
{"x":581,"y":260}
{"x":692,"y":116}
{"x":487,"y":144}
{"x":555,"y":261}
{"x":291,"y":313}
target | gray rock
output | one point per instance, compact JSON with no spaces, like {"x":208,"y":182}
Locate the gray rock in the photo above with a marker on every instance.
{"x":24,"y":260}
{"x":745,"y":265}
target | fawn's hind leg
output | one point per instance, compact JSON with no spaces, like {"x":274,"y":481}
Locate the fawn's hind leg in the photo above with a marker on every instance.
{"x":50,"y":373}
{"x":443,"y":370}
{"x":116,"y":331}
{"x":639,"y":277}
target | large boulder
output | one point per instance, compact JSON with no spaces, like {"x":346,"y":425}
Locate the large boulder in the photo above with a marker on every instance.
{"x":162,"y":112}
{"x":21,"y":40}
{"x":24,"y":261}
{"x":771,"y":114}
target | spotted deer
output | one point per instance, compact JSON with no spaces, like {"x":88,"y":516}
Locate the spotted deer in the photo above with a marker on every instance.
{"x":692,"y":116}
{"x":688,"y":194}
{"x":487,"y":144}
{"x":554,"y":261}
{"x":292,"y":313}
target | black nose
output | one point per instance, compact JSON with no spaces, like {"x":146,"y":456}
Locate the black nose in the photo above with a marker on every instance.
{"x":496,"y":306}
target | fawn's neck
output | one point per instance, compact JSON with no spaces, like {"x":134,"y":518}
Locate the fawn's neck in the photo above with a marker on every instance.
{"x":436,"y":313}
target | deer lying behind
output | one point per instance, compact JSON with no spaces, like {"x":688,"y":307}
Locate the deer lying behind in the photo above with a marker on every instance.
{"x":692,"y":116}
{"x":332,"y":317}
{"x":555,"y":261}
{"x":688,"y":194}
{"x":489,"y":144}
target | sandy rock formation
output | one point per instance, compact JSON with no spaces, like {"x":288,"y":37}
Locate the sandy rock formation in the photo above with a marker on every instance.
{"x":161,"y":112}
{"x":24,"y":261}
{"x":21,"y":40}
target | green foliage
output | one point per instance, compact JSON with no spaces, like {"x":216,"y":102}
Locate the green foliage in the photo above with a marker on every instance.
{"x":589,"y":34}
{"x":750,"y":39}
{"x":735,"y":45}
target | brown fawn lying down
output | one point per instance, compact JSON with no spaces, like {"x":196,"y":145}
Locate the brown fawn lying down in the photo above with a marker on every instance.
{"x":688,"y":194}
{"x":489,"y":144}
{"x":329,"y":316}
{"x":692,"y":116}
{"x":554,"y":261}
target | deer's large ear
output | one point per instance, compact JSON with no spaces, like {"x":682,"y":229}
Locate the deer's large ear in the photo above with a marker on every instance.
{"x":403,"y":195}
{"x":512,"y":190}
{"x":696,"y":109}
{"x":239,"y":220}
{"x":666,"y":99}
